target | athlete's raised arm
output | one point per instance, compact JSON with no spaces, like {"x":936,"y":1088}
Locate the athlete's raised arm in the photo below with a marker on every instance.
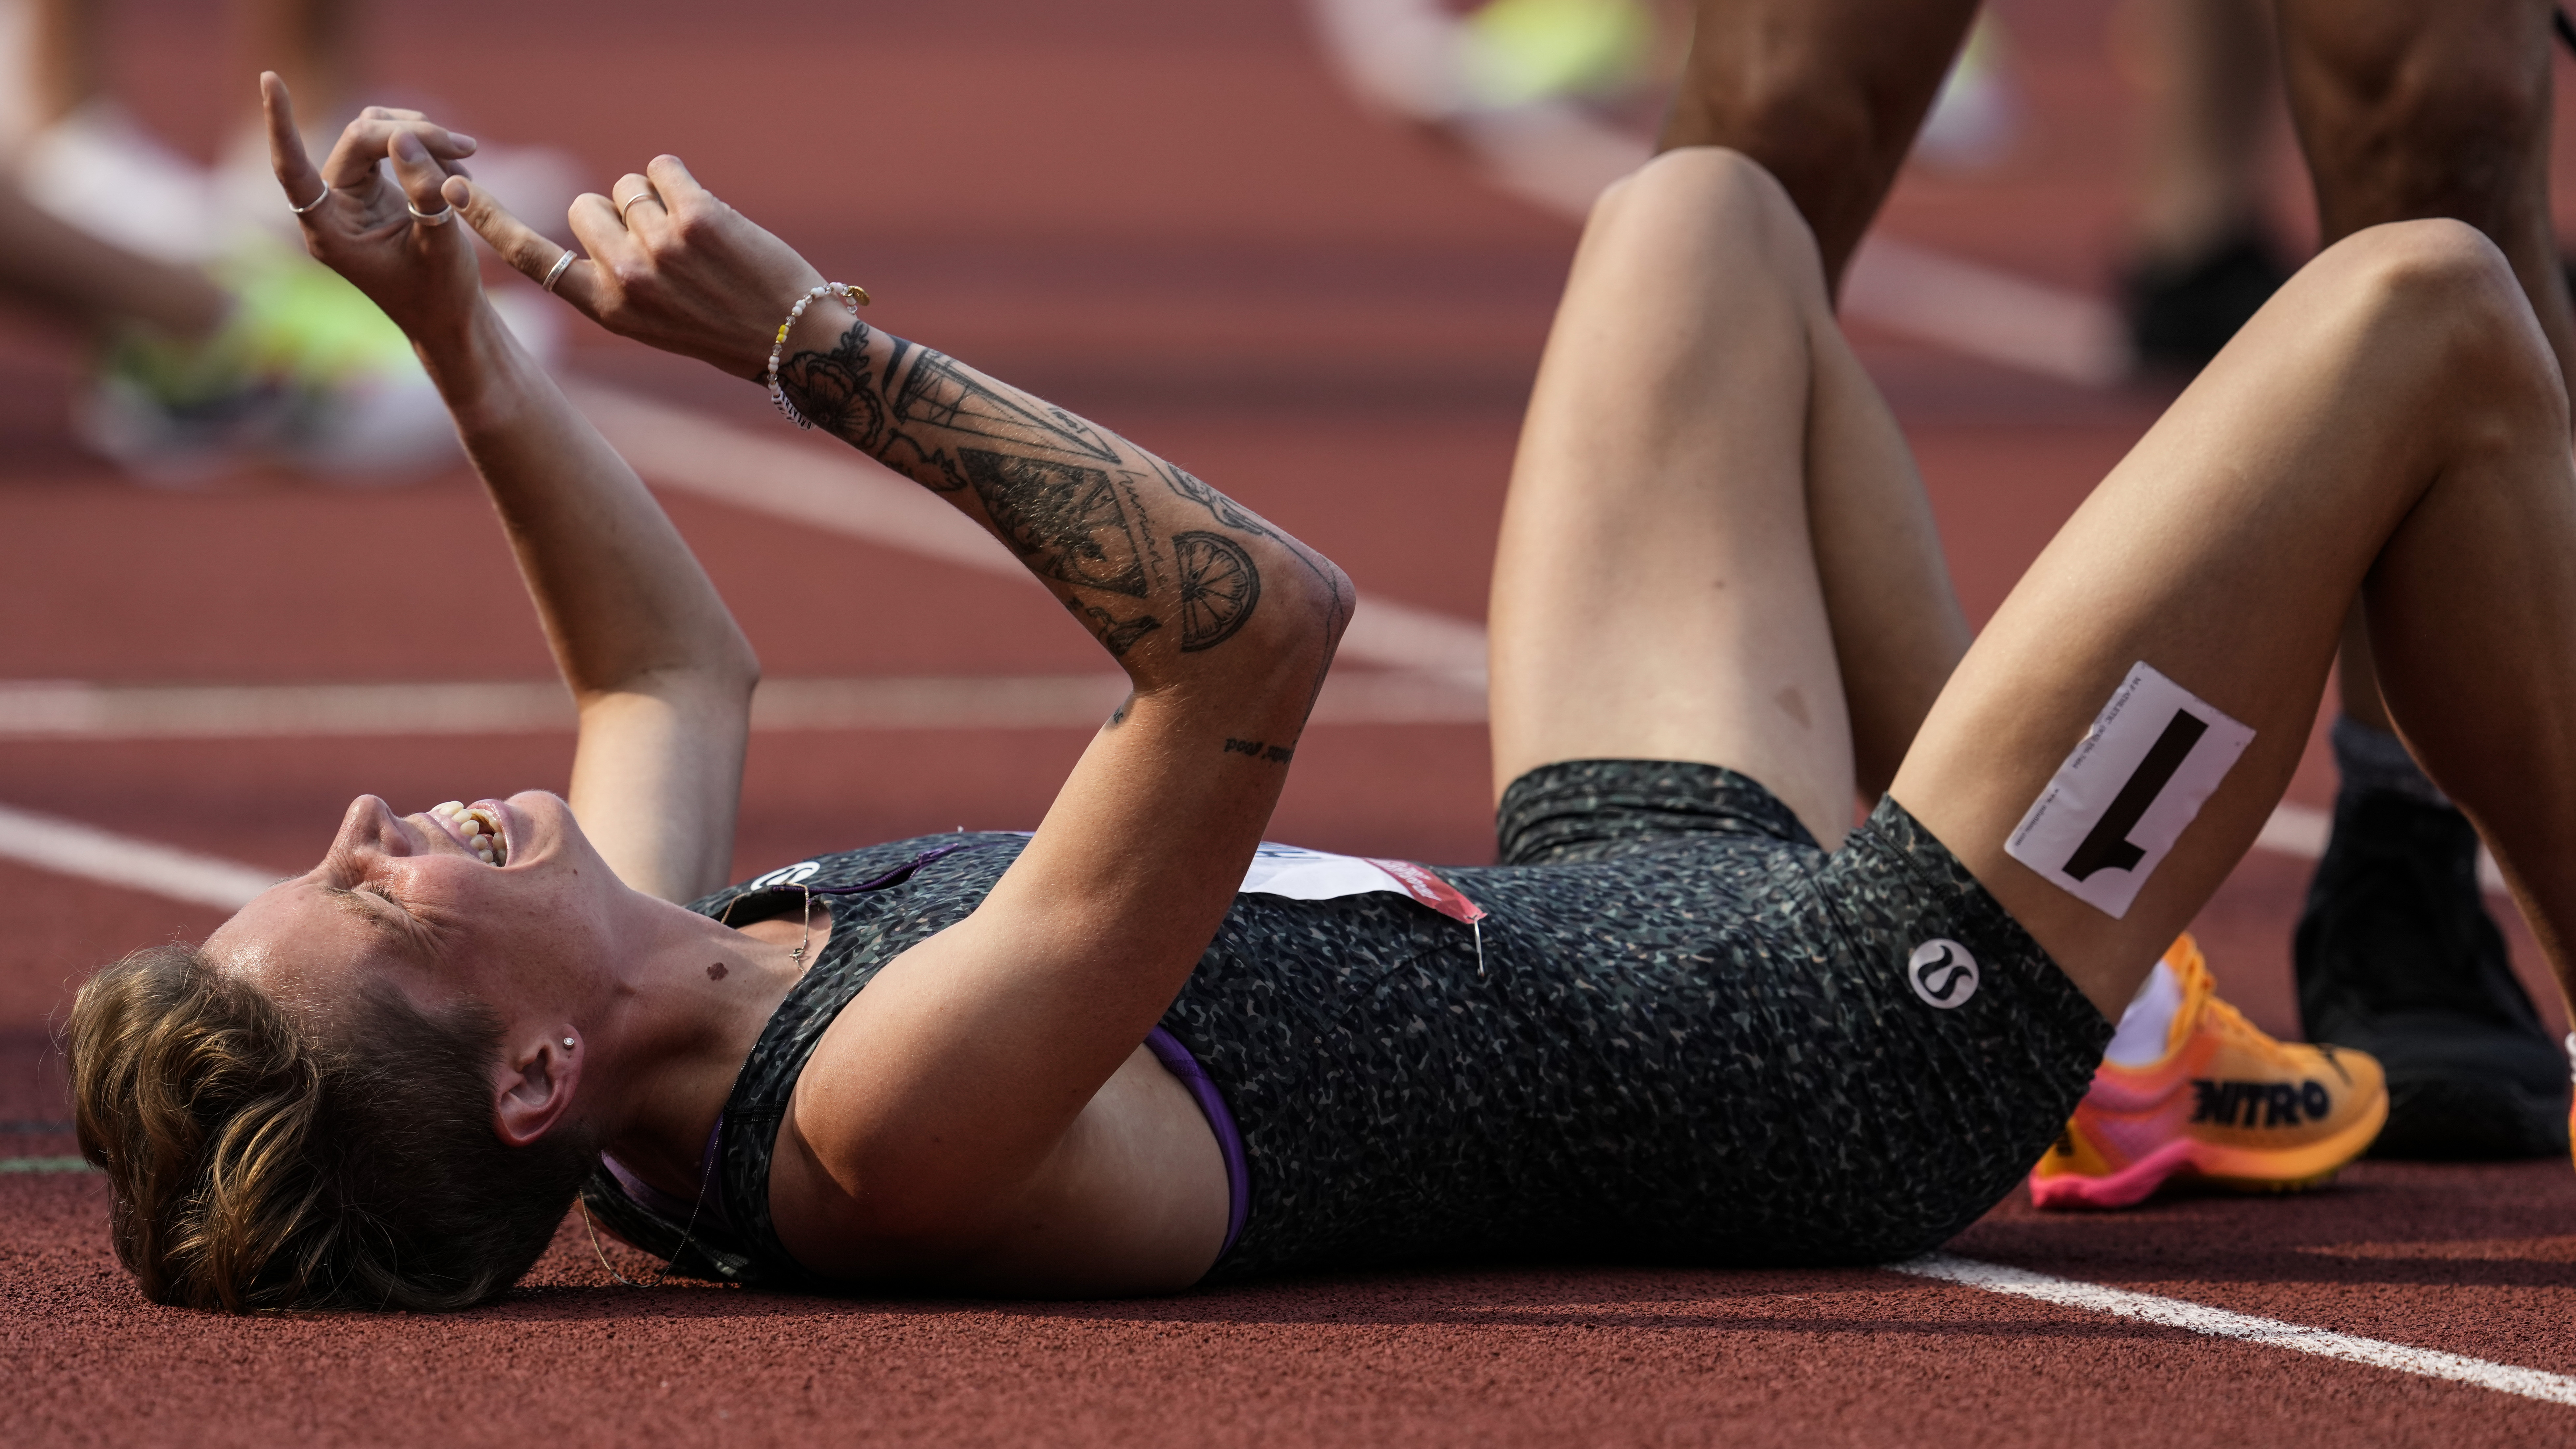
{"x":947,"y":1088}
{"x":660,"y":673}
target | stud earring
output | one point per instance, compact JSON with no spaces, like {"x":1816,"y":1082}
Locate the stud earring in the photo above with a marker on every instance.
{"x":567,"y":1043}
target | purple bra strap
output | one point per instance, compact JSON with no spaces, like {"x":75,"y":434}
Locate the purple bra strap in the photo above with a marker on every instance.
{"x":1177,"y":1060}
{"x":896,"y":876}
{"x":678,"y":1210}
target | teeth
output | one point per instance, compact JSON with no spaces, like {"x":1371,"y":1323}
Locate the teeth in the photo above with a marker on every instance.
{"x":481,"y":829}
{"x":484,"y":834}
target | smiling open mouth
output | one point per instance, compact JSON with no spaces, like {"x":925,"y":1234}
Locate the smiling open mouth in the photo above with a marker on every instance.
{"x":480,"y":828}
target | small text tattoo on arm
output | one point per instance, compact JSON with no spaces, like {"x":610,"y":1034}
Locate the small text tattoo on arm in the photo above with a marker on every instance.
{"x":1275,"y":754}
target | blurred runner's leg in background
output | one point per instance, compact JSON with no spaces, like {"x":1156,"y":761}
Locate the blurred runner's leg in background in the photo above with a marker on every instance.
{"x":2409,"y":110}
{"x":2200,"y":262}
{"x":1826,"y":94}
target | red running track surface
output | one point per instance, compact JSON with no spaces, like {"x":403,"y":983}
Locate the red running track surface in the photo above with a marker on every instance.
{"x":1169,"y":216}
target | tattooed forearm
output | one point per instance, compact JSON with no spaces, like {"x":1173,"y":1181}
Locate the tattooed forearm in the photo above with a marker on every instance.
{"x":1219,"y":586}
{"x":1115,"y":634}
{"x":836,"y":394}
{"x":1228,"y":512}
{"x":940,"y":393}
{"x":1130,"y":542}
{"x":1066,"y":521}
{"x":919,"y":407}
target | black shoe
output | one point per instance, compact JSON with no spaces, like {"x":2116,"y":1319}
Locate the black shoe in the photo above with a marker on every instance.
{"x":2181,"y":313}
{"x":2397,"y":956}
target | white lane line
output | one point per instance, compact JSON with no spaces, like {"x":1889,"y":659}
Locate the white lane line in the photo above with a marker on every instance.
{"x":44,"y":1164}
{"x":64,"y":709}
{"x":2220,"y":1323}
{"x":1986,"y":313}
{"x":42,"y":709}
{"x":853,"y":495}
{"x":39,"y":709}
{"x":71,"y":848}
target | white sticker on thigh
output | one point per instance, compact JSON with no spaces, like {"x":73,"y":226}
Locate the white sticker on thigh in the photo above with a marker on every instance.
{"x":2118,"y":804}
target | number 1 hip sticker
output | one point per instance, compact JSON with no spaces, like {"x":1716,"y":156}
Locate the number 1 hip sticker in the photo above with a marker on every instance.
{"x":2118,"y":804}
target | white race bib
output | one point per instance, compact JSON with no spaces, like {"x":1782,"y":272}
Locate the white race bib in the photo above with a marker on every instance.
{"x":1313,"y":875}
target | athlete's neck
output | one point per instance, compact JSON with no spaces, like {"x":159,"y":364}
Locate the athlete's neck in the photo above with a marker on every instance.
{"x":690,"y":1001}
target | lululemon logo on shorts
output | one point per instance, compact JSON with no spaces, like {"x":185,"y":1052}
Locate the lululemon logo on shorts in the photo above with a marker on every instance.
{"x":1942,"y":973}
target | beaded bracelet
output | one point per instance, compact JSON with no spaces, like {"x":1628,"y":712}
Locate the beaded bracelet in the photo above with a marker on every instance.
{"x":853,"y":297}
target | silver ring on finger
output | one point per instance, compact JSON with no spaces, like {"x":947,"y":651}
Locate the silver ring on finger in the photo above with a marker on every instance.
{"x":440,"y":217}
{"x":630,"y":202}
{"x":307,"y":208}
{"x":555,"y":273}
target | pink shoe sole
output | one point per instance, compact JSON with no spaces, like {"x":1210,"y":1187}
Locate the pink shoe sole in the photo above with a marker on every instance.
{"x":2125,"y":1188}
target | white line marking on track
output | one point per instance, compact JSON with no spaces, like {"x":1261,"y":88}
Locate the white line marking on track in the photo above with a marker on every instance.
{"x":1986,"y":313}
{"x":73,"y":709}
{"x":44,"y":1164}
{"x":70,"y":709}
{"x":71,"y":848}
{"x":853,"y":495}
{"x":2220,"y":1323}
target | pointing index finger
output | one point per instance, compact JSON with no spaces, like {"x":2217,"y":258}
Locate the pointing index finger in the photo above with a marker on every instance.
{"x":286,"y":154}
{"x":529,"y":254}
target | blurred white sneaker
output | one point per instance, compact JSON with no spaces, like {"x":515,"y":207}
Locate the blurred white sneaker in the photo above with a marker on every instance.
{"x":305,"y":373}
{"x":101,"y":171}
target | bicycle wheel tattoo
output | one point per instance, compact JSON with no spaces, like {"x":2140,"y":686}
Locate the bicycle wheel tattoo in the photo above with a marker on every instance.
{"x":1219,"y":586}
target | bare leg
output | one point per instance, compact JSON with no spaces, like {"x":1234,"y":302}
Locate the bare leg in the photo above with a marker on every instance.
{"x":2411,"y":111}
{"x":2201,"y":185}
{"x":1826,"y":94}
{"x":1715,"y":547}
{"x":2392,"y":424}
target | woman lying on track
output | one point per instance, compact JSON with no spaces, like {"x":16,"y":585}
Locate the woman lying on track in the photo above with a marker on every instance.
{"x":1703,"y":1018}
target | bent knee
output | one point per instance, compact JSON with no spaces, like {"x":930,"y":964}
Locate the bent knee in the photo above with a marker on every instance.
{"x":2441,"y":289}
{"x":2401,"y":259}
{"x":2435,"y":274}
{"x":1717,"y":200}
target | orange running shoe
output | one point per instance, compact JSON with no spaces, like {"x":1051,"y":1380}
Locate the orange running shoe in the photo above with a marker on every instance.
{"x":2225,"y":1105}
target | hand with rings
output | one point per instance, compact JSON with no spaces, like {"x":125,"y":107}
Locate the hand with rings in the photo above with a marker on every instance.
{"x":687,"y":274}
{"x":388,"y":236}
